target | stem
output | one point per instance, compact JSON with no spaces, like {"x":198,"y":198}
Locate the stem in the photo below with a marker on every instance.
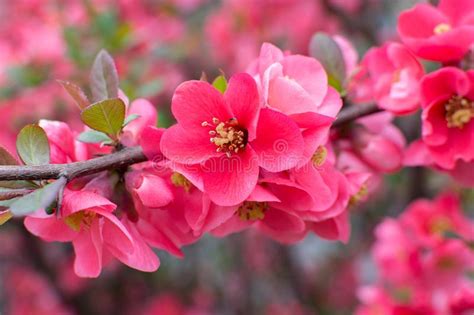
{"x":120,"y":159}
{"x":128,"y":156}
{"x":354,"y":112}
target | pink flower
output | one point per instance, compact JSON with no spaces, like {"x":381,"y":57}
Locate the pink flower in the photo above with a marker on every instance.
{"x":448,"y":116}
{"x":431,"y":220}
{"x":388,"y":75}
{"x":88,"y":222}
{"x":297,"y":86}
{"x":441,"y":34}
{"x":64,"y":148}
{"x":260,"y":211}
{"x":230,"y":137}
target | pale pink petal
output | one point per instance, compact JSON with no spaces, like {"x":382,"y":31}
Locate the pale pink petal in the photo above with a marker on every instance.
{"x":153,"y":191}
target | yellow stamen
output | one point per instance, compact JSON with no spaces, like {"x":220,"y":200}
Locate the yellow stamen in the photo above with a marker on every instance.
{"x":359,"y":196}
{"x":319,"y":157}
{"x":252,"y":210}
{"x":80,"y":219}
{"x":442,"y":28}
{"x":459,"y":111}
{"x":180,"y":181}
{"x":228,"y":136}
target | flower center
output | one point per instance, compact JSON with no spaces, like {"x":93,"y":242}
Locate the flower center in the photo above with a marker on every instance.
{"x":442,"y":28}
{"x":81,"y":218}
{"x":459,"y":111}
{"x":180,"y":181}
{"x":319,"y":157}
{"x":252,"y":210}
{"x":440,"y":226}
{"x":228,"y":136}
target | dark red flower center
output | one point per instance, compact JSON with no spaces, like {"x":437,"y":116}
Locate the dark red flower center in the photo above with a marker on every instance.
{"x":228,"y":136}
{"x":459,"y":111}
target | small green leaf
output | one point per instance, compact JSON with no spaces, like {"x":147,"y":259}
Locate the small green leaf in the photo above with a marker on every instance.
{"x":329,"y":54}
{"x":93,"y":136}
{"x":76,"y":93}
{"x":39,"y":199}
{"x":32,"y":145}
{"x":104,"y":78}
{"x":130,"y":118}
{"x":220,"y":83}
{"x":106,"y":116}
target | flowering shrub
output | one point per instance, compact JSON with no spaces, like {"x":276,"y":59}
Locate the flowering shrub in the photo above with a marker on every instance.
{"x":291,"y":143}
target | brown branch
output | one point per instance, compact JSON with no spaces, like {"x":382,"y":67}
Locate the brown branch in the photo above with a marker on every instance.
{"x":117,"y":160}
{"x":354,"y":112}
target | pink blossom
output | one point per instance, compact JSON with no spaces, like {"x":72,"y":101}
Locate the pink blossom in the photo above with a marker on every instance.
{"x":87,"y":220}
{"x":297,"y":86}
{"x":388,"y":75}
{"x":444,"y":33}
{"x":230,"y":137}
{"x":448,"y":112}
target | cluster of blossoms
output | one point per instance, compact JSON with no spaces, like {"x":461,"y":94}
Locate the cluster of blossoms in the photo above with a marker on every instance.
{"x":254,"y":154}
{"x":425,"y":260}
{"x":259,"y":152}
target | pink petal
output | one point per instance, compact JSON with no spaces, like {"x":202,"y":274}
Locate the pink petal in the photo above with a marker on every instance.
{"x":269,"y":54}
{"x":154,"y":191}
{"x":187,"y":146}
{"x":333,"y":229}
{"x":88,"y":249}
{"x":309,"y":74}
{"x":150,"y":142}
{"x":420,"y":21}
{"x":283,"y":226}
{"x":242,"y":97}
{"x":50,"y":229}
{"x":229,"y":181}
{"x":75,"y":201}
{"x":279,"y":144}
{"x":132,"y":133}
{"x":142,"y":257}
{"x":195,"y":102}
{"x":231,"y":226}
{"x":115,"y":235}
{"x":443,"y":84}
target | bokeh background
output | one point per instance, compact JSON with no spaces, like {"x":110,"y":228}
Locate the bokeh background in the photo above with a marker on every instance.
{"x":156,"y":45}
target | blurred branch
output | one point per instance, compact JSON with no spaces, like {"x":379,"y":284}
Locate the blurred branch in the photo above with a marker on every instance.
{"x":354,"y":112}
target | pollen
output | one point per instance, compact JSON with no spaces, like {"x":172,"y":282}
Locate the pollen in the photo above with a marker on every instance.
{"x":319,"y":157}
{"x":440,"y":225}
{"x":228,"y":136}
{"x":80,"y":219}
{"x":459,"y":111}
{"x":180,"y":181}
{"x":359,"y":196}
{"x":442,"y":28}
{"x":252,"y":210}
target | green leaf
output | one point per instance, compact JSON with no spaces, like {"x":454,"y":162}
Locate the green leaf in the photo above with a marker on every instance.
{"x":6,"y":158}
{"x":130,"y":118}
{"x":93,"y":136}
{"x":220,"y":83}
{"x":39,"y":199}
{"x":329,"y":54}
{"x":106,"y":116}
{"x":76,"y":93}
{"x":32,"y":145}
{"x":104,"y":78}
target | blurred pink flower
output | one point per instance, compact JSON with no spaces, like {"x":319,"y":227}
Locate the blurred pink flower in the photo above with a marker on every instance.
{"x":444,"y":33}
